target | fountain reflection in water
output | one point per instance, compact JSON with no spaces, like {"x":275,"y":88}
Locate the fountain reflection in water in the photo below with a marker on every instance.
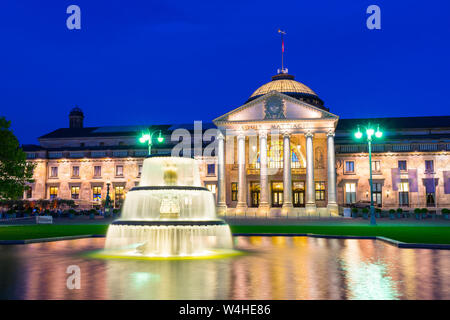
{"x":169,"y":214}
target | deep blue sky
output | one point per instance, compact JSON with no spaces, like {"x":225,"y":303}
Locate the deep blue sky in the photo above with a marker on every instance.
{"x":157,"y":62}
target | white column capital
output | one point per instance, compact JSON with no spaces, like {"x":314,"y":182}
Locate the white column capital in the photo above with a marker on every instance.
{"x":309,"y":134}
{"x":286,"y":134}
{"x":241,"y":135}
{"x":330,"y":133}
{"x":220,"y":135}
{"x":262,"y":133}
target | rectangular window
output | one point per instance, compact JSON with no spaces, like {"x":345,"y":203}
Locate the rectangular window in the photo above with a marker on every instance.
{"x":234,"y":191}
{"x":139,"y":170}
{"x":53,"y":192}
{"x":402,"y":165}
{"x":97,"y":171}
{"x":431,"y":199}
{"x":75,"y":171}
{"x":211,"y":187}
{"x":349,"y":166}
{"x":350,"y":193}
{"x":119,"y":171}
{"x":376,"y":167}
{"x":29,"y":193}
{"x":119,"y":196}
{"x":377,"y":194}
{"x":53,"y":172}
{"x":429,"y":166}
{"x":320,"y":190}
{"x":403,"y":193}
{"x":75,"y":192}
{"x":97,"y":194}
{"x":211,"y":169}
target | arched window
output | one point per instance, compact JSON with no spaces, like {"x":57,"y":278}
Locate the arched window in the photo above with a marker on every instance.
{"x":275,"y":157}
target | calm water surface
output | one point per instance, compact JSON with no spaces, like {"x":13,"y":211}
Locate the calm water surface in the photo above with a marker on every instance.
{"x":276,"y":268}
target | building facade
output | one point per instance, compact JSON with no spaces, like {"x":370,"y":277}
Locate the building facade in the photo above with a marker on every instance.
{"x":281,"y":153}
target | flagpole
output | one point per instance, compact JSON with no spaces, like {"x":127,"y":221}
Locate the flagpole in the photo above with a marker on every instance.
{"x":282,"y":49}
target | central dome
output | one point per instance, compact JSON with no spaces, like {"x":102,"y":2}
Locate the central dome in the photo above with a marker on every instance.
{"x":286,"y":84}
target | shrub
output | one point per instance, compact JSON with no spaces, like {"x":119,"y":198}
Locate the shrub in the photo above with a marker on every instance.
{"x":445,"y":211}
{"x":365,"y":210}
{"x":399,"y":210}
{"x":417,"y":210}
{"x":391,"y":211}
{"x":424,"y":210}
{"x":377,"y":210}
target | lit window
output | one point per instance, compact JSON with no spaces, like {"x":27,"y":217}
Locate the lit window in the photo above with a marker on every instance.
{"x":97,"y":194}
{"x":320,"y":190}
{"x":377,"y":195}
{"x":376,"y":167}
{"x":119,"y":195}
{"x":119,"y":171}
{"x":97,"y":171}
{"x":139,"y":170}
{"x":403,"y":193}
{"x":234,"y":191}
{"x":350,"y":193}
{"x":211,"y":169}
{"x":53,"y":172}
{"x":349,"y":166}
{"x":211,"y":187}
{"x":53,"y":192}
{"x":429,"y":166}
{"x":75,"y":192}
{"x":402,"y":165}
{"x":75,"y":171}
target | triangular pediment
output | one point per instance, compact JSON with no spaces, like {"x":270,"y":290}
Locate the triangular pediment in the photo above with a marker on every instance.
{"x":274,"y":106}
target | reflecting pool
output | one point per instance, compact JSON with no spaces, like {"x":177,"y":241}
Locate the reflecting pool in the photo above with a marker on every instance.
{"x":271,"y":268}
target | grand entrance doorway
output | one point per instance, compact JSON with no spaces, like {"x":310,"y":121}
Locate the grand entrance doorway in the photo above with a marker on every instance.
{"x":255,"y":194}
{"x":298,"y":193}
{"x":277,"y":194}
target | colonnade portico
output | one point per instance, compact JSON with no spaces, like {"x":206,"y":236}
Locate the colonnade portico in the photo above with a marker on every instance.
{"x":277,"y":182}
{"x":264,"y":206}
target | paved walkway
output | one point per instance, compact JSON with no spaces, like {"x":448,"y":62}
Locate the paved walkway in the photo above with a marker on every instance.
{"x":338,"y":222}
{"x":57,"y":221}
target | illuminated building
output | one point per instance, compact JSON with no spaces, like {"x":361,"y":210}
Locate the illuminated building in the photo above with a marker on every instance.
{"x":411,"y":164}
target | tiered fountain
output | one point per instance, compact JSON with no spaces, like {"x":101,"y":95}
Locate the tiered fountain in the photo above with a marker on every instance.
{"x":169,"y":214}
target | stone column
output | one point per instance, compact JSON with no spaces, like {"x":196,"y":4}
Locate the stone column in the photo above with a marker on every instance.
{"x":264,"y":179}
{"x":331,"y":160}
{"x":241,"y":206}
{"x":287,"y":177}
{"x":221,"y":193}
{"x":310,"y":205}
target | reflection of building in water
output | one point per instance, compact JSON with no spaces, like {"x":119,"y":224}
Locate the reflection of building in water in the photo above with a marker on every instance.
{"x":168,"y":279}
{"x":46,"y":278}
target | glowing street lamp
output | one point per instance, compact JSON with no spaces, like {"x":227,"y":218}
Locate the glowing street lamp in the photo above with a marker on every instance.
{"x":370,"y":132}
{"x":148,"y":137}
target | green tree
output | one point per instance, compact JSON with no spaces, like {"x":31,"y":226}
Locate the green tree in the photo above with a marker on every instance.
{"x":15,"y":171}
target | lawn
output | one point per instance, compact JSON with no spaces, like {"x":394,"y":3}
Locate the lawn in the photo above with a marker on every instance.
{"x":49,"y":231}
{"x":411,"y":234}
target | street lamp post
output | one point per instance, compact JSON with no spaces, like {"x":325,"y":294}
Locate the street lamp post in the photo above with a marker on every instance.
{"x":148,"y":137}
{"x":370,"y":132}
